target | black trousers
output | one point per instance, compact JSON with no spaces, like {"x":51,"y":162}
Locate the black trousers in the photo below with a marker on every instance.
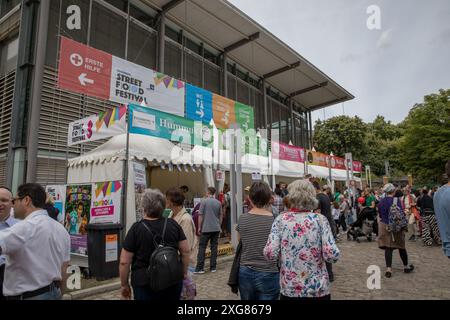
{"x":204,"y":239}
{"x":388,"y":256}
{"x":2,"y":276}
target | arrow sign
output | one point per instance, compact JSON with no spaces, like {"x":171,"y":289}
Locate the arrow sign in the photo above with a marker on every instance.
{"x":200,"y":112}
{"x":83,"y":79}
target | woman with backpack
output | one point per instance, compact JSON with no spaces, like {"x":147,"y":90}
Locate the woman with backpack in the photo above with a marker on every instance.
{"x":392,"y":226}
{"x":145,"y":238}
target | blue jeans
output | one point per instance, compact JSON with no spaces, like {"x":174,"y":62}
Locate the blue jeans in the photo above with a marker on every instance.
{"x":145,"y":293}
{"x":53,"y":294}
{"x":258,"y":285}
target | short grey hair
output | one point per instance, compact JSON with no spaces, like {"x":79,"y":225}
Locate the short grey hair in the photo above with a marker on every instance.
{"x":389,"y":188}
{"x":153,"y":202}
{"x":302,"y":195}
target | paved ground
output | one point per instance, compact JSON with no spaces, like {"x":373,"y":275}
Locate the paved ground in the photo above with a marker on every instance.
{"x":431,"y":279}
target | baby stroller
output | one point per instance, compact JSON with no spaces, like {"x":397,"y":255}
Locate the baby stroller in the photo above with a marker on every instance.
{"x":363,"y":226}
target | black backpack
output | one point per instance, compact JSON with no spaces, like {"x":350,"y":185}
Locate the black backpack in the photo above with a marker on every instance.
{"x":165,"y":266}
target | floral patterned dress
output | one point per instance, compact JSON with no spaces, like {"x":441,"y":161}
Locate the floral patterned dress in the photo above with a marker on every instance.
{"x":303,"y":242}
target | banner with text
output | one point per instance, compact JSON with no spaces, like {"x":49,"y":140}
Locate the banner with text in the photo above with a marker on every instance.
{"x":159,"y":124}
{"x":223,"y":112}
{"x":245,"y":116}
{"x":96,"y":73}
{"x":58,"y":193}
{"x":101,"y":126}
{"x":106,"y":202}
{"x":198,"y":104}
{"x":283,"y":151}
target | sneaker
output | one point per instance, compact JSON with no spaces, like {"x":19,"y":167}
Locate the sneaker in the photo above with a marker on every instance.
{"x":388,"y":274}
{"x":213,"y":270}
{"x":412,"y":238}
{"x":199,"y":272}
{"x":409,"y":269}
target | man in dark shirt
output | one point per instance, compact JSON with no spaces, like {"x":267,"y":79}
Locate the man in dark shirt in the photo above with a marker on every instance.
{"x":324,"y":208}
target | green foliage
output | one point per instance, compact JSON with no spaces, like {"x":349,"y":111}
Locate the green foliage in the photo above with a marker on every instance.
{"x":340,"y":135}
{"x":420,"y":145}
{"x":425,"y":146}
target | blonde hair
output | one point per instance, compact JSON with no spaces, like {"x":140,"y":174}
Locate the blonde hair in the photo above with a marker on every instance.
{"x":50,"y":199}
{"x":302,"y":195}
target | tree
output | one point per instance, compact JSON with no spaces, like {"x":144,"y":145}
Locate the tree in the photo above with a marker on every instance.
{"x":425,"y":146}
{"x":340,"y":135}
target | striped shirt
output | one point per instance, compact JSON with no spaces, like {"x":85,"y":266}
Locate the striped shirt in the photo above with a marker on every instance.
{"x":254,"y":231}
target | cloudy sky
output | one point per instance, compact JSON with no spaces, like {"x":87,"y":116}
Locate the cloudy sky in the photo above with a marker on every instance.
{"x":387,"y":70}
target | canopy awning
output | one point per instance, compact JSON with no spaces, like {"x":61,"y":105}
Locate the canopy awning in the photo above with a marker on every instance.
{"x":223,"y":26}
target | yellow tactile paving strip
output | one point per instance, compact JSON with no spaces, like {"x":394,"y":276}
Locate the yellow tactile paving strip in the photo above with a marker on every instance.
{"x":223,"y":250}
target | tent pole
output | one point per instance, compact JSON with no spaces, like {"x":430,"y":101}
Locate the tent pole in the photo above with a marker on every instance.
{"x":123,"y":218}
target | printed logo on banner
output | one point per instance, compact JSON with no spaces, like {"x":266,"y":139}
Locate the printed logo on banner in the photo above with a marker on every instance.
{"x":223,"y":112}
{"x":198,"y":104}
{"x":95,"y":127}
{"x":84,"y":69}
{"x":106,"y":202}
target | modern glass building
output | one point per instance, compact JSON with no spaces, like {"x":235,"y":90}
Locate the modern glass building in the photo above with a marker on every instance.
{"x":210,"y":44}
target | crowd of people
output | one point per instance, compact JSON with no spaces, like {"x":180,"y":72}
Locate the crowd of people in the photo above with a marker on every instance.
{"x":288,"y":239}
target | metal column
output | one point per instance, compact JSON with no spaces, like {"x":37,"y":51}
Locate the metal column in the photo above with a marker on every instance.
{"x":161,"y":42}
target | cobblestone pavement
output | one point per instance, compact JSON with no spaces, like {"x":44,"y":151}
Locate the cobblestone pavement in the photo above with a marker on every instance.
{"x":430,"y":280}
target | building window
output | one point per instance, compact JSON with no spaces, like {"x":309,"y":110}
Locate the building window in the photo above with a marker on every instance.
{"x":8,"y":55}
{"x":172,"y":60}
{"x":141,"y":16}
{"x":142,"y":46}
{"x":108,"y":31}
{"x":119,"y":4}
{"x":193,"y":70}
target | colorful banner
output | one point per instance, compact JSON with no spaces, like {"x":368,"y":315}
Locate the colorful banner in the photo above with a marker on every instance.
{"x":223,"y":112}
{"x":337,"y":163}
{"x":317,"y":159}
{"x":58,"y":193}
{"x":106,"y":202}
{"x":245,"y":116}
{"x":198,"y":104}
{"x":154,"y":123}
{"x":96,"y":73}
{"x":357,"y":166}
{"x":77,"y":209}
{"x":286,"y":152}
{"x":101,"y":126}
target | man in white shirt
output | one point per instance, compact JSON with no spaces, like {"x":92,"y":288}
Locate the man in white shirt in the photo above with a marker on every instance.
{"x":6,"y":221}
{"x":37,"y":249}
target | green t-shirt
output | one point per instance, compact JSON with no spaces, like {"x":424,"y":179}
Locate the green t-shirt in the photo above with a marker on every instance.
{"x":369,"y":200}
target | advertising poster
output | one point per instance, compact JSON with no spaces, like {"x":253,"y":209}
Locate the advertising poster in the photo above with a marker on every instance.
{"x":198,"y":104}
{"x":98,"y":74}
{"x":317,"y":159}
{"x":286,"y":152}
{"x":159,"y":124}
{"x":357,"y":166}
{"x":245,"y":116}
{"x":77,"y":209}
{"x":95,"y":127}
{"x":337,"y":163}
{"x":58,"y":192}
{"x":140,"y":184}
{"x":223,"y":112}
{"x":106,"y":202}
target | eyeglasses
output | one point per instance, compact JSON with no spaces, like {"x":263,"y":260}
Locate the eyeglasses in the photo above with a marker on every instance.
{"x":17,"y":198}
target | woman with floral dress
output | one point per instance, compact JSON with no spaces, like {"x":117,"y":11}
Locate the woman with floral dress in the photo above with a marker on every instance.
{"x":303,"y":242}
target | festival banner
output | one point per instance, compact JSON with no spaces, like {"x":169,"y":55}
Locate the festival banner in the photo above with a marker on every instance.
{"x":58,"y":192}
{"x":106,"y":202}
{"x":245,"y":116}
{"x":337,"y":163}
{"x":198,"y":104}
{"x":77,"y":210}
{"x":357,"y":166}
{"x":283,"y":151}
{"x":159,"y":124}
{"x":101,"y":126}
{"x":317,"y":159}
{"x":223,"y":112}
{"x":98,"y":74}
